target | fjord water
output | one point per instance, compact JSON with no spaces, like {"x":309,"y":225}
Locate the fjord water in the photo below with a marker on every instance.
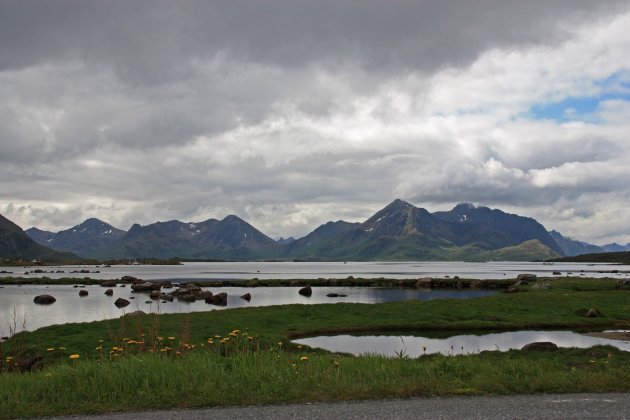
{"x":312,"y":270}
{"x":16,"y":302}
{"x":414,"y":346}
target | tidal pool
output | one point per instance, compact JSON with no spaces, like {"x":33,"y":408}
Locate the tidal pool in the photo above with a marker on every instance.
{"x":16,"y":302}
{"x":414,"y":346}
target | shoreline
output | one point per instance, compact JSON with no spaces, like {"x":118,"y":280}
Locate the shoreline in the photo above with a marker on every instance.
{"x":350,"y":281}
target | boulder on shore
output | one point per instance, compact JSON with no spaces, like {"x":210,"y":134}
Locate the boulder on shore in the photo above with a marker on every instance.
{"x":540,"y":346}
{"x":526,"y":278}
{"x":44,"y":299}
{"x":306,"y":291}
{"x":425,"y":283}
{"x":592,"y":313}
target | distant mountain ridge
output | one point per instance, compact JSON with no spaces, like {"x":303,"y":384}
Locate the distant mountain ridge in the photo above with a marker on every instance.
{"x":400,"y":231}
{"x":572,"y":247}
{"x":87,"y":239}
{"x":230,"y":238}
{"x":15,"y":244}
{"x":614,"y":247}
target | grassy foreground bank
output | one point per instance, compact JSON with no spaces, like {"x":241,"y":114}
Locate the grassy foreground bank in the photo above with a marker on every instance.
{"x":140,"y":373}
{"x":205,"y":379}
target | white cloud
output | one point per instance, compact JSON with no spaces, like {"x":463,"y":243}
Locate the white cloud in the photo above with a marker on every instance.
{"x":289,"y":138}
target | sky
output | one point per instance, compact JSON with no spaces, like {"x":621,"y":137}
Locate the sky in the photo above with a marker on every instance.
{"x":292,"y":113}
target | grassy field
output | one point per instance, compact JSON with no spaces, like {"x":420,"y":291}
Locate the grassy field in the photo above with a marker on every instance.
{"x":198,"y":359}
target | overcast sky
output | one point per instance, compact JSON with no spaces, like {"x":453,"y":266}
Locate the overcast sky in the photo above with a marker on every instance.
{"x":293,"y":113}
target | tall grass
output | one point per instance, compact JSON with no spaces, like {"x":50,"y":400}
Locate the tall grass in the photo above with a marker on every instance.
{"x":206,"y":378}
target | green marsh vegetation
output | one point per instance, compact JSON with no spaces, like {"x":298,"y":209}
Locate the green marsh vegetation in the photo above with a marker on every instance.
{"x":244,"y":356}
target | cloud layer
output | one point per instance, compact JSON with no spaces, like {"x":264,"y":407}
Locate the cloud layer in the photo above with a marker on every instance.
{"x":293,"y":113}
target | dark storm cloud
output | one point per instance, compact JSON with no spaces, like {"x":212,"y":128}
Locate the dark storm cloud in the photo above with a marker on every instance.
{"x":151,"y":41}
{"x":292,"y":113}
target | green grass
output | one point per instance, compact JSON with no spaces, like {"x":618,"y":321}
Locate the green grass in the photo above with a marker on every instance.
{"x":264,"y":372}
{"x":203,"y":378}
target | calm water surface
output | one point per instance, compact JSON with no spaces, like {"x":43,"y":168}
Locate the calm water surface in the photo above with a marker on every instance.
{"x":414,"y":346}
{"x":313,"y":270}
{"x":16,"y":302}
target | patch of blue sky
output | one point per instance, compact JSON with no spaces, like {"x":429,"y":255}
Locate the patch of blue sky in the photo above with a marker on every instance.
{"x":585,"y":108}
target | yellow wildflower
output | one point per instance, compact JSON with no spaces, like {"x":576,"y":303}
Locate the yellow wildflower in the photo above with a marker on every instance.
{"x":171,"y":338}
{"x":303,"y":359}
{"x":50,"y":349}
{"x":74,"y":356}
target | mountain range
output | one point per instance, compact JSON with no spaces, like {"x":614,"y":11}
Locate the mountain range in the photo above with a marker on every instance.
{"x":400,"y":231}
{"x":17,"y":245}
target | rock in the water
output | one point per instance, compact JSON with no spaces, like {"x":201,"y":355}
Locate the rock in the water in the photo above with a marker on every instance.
{"x":167,"y":298}
{"x":155,"y":295}
{"x":192,"y":287}
{"x":331,"y":295}
{"x":44,"y":299}
{"x":247,"y":297}
{"x":188,"y":297}
{"x":557,"y":273}
{"x":129,"y":279}
{"x":109,"y":292}
{"x":219,"y":299}
{"x":204,"y":295}
{"x":306,"y":291}
{"x":83,"y":293}
{"x":109,"y":283}
{"x":540,"y":346}
{"x":121,"y":303}
{"x":145,"y":287}
{"x":526,"y":278}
